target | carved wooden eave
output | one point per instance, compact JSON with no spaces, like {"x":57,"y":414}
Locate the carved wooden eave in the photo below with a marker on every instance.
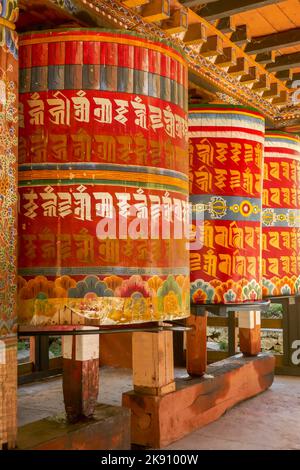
{"x":253,"y":86}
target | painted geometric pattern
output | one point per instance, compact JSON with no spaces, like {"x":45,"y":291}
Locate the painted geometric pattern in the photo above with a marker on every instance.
{"x":8,"y":171}
{"x":281,"y":215}
{"x":226,"y":152}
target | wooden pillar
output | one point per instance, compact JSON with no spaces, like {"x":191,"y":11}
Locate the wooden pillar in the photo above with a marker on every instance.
{"x":196,"y":347}
{"x":80,"y":375}
{"x":153,"y":362}
{"x":249,"y":330}
{"x":8,"y":222}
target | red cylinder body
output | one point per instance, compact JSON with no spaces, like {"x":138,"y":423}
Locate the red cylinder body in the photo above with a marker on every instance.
{"x":280,"y":218}
{"x":226,"y":149}
{"x":103,"y":147}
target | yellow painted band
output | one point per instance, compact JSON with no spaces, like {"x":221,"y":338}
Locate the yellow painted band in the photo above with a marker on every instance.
{"x":104,"y":175}
{"x":99,"y":38}
{"x":7,"y":24}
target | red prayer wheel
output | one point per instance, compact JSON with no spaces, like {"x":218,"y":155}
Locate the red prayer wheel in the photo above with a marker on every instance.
{"x":226,"y":149}
{"x":103,"y":179}
{"x":280,"y":217}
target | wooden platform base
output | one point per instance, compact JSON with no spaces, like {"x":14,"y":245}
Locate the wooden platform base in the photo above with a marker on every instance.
{"x":157,"y":421}
{"x":108,"y":429}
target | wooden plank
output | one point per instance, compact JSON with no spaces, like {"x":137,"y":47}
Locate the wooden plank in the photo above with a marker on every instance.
{"x":215,"y":356}
{"x":177,"y":23}
{"x":227,"y":58}
{"x":285,"y":61}
{"x":196,"y":34}
{"x":241,"y":35}
{"x":266,"y":57}
{"x":272,"y":323}
{"x":217,"y":321}
{"x":274,"y":41}
{"x":109,"y":429}
{"x":221,"y":8}
{"x":156,"y":10}
{"x":212,"y":47}
{"x":153,"y":363}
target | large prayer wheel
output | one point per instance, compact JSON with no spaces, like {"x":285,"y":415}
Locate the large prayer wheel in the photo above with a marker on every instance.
{"x":281,"y":215}
{"x":103,"y":177}
{"x":226,"y":149}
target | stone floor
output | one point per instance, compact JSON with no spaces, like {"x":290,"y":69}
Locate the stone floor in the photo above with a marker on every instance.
{"x":268,"y":421}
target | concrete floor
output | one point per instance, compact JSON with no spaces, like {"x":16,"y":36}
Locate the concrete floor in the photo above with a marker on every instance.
{"x":268,"y":421}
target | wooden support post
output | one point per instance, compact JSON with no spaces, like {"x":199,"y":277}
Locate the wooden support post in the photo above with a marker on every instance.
{"x":196,"y":348}
{"x":8,"y":392}
{"x":153,"y":362}
{"x":80,"y":375}
{"x":249,"y":330}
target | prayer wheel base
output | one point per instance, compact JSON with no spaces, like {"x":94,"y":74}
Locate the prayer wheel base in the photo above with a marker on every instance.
{"x":108,"y":429}
{"x":157,"y":421}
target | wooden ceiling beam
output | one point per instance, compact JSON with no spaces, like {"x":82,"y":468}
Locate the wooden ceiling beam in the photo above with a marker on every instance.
{"x":285,"y":61}
{"x":241,"y":67}
{"x":241,"y":35}
{"x":282,"y":98}
{"x":284,"y":74}
{"x":135,"y":3}
{"x":227,"y":58}
{"x":212,"y":47}
{"x":221,"y":8}
{"x":177,"y":23}
{"x":156,"y":10}
{"x":273,"y":91}
{"x":195,"y":3}
{"x":251,"y":77}
{"x":196,"y":34}
{"x":274,"y":41}
{"x":266,"y":57}
{"x":289,"y":83}
{"x":225,"y":25}
{"x":263,"y":84}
